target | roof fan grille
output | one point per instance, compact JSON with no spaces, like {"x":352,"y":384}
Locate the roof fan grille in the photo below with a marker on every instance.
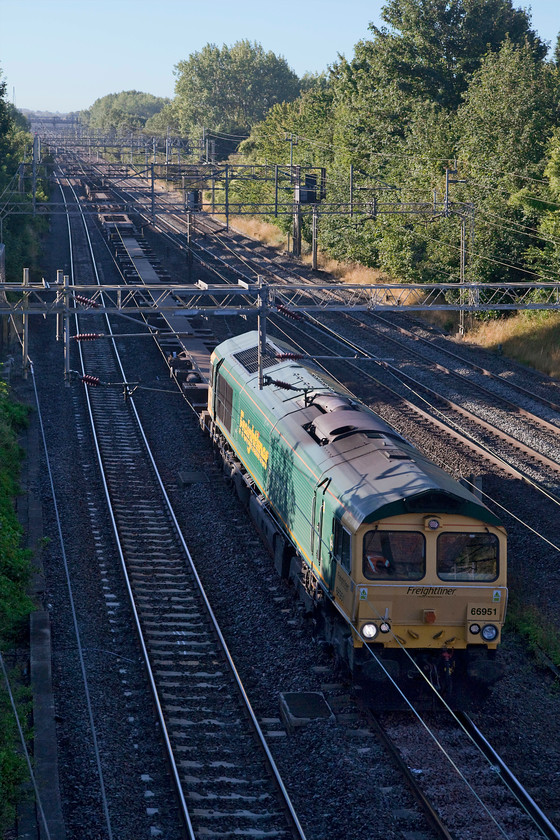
{"x":250,"y":358}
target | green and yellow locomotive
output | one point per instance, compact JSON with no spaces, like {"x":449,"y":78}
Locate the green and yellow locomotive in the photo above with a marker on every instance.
{"x":404,"y":569}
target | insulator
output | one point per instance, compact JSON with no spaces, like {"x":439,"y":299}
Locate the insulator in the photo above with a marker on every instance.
{"x":94,"y":381}
{"x":288,"y":313}
{"x":283,"y":356}
{"x":87,"y":336}
{"x":279,"y":384}
{"x":86,"y":301}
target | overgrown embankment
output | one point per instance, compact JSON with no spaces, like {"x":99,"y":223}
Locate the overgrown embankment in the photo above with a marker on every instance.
{"x":15,"y":605}
{"x":531,"y":338}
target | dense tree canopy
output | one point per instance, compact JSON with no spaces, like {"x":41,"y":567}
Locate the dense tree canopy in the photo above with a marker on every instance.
{"x":441,"y":84}
{"x":431,"y":48}
{"x":427,"y":54}
{"x":13,"y":135}
{"x":229,"y":89}
{"x":18,"y":231}
{"x":125,"y":111}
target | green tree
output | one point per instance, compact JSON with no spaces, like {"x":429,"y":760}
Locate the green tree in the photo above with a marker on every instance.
{"x":163,"y":121}
{"x":229,"y":89}
{"x":396,"y":104}
{"x":434,"y":46}
{"x":556,"y":56}
{"x":505,"y":125}
{"x":427,"y":53}
{"x":19,"y":232}
{"x":541,"y":201}
{"x":14,"y":135}
{"x":277,"y":139}
{"x":441,"y":80}
{"x":121,"y":112}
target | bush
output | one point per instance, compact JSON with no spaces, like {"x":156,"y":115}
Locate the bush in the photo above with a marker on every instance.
{"x":13,"y":767}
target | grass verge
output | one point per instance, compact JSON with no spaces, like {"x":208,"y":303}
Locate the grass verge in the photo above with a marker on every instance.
{"x":532,"y":338}
{"x":539,"y":631}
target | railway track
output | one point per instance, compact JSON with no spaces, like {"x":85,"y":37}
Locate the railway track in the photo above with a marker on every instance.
{"x":153,"y":526}
{"x":522,"y":449}
{"x":434,"y":346}
{"x":527,"y":449}
{"x":224,"y":774}
{"x":527,"y":803}
{"x":502,"y":449}
{"x":250,"y":265}
{"x":462,"y":779}
{"x":220,"y":767}
{"x":500,"y":407}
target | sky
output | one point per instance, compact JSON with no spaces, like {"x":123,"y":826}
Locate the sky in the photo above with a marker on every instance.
{"x":62,"y":55}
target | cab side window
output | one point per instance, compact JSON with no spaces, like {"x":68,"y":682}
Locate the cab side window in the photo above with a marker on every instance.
{"x":342,"y":546}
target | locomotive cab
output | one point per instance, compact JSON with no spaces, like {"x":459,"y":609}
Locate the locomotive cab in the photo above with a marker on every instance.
{"x":429,"y":583}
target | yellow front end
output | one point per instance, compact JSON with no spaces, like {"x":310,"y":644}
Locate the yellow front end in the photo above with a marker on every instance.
{"x":426,"y":582}
{"x":430,"y":616}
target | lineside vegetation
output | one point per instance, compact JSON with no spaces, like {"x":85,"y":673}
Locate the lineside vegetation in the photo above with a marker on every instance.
{"x":21,"y":237}
{"x":15,"y":606}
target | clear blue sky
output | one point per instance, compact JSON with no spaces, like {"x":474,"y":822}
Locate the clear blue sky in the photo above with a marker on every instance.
{"x":62,"y":55}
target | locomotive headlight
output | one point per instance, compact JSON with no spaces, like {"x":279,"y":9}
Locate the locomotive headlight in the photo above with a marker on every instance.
{"x":369,"y":631}
{"x":385,"y":627}
{"x":489,"y":632}
{"x":474,"y":629}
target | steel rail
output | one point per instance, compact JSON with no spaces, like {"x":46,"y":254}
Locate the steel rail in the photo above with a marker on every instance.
{"x":296,"y":827}
{"x":479,"y":421}
{"x":249,"y":709}
{"x":528,"y":804}
{"x":103,"y":791}
{"x":460,"y":435}
{"x":549,"y":828}
{"x":442,"y":831}
{"x":151,"y":679}
{"x":550,"y":463}
{"x":488,"y":373}
{"x":464,"y":436}
{"x":431,"y":815}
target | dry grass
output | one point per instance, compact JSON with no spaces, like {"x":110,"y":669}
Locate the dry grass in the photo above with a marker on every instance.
{"x":351,"y":273}
{"x":261,"y":231}
{"x":532,"y":338}
{"x":347,"y":272}
{"x":273,"y":237}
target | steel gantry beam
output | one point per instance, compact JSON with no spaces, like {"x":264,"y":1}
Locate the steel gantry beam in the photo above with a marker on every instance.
{"x":367,"y":210}
{"x":55,"y":298}
{"x":261,"y":299}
